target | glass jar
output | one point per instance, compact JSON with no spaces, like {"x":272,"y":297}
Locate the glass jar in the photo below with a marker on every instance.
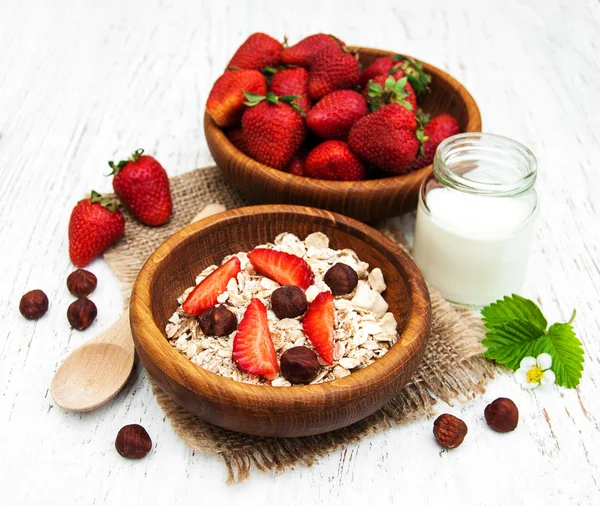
{"x":476,"y":218}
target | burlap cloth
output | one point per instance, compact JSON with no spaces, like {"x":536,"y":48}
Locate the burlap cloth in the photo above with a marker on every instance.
{"x":452,"y":368}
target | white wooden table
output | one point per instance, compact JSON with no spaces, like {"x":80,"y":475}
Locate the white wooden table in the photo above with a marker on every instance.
{"x":88,"y":81}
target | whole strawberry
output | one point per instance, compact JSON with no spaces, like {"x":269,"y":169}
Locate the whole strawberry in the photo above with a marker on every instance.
{"x":333,"y":160}
{"x":386,"y":89}
{"x":225,"y":102}
{"x":94,"y":226}
{"x":292,"y":82}
{"x":439,"y":128}
{"x":301,"y":54}
{"x":410,"y":67}
{"x":257,"y":52}
{"x":143,"y":186}
{"x":273,"y":127}
{"x":333,"y":115}
{"x":332,"y":68}
{"x":387,"y":138}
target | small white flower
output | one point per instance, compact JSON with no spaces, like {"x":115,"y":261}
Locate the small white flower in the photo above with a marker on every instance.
{"x":534,"y":372}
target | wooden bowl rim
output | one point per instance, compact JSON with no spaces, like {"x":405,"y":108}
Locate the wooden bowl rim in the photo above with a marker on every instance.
{"x":191,"y":376}
{"x":368,"y":185}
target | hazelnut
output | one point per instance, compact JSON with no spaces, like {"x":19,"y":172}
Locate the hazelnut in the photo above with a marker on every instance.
{"x":133,"y":442}
{"x":341,"y":278}
{"x":288,"y":302}
{"x":502,"y":415}
{"x":299,"y":365}
{"x":81,"y":283}
{"x":217,"y":321}
{"x":34,"y":304}
{"x":449,"y":431}
{"x":82,"y":313}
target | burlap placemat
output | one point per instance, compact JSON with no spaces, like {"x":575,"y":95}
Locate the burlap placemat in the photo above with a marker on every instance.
{"x":451,"y":368}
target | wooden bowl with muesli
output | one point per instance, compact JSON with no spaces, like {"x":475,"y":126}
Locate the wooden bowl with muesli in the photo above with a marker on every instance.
{"x":280,"y":320}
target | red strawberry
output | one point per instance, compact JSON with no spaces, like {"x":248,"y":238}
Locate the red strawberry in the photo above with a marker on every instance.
{"x":95,"y":225}
{"x":332,"y":68}
{"x":292,"y":82}
{"x":296,"y":166}
{"x":318,"y":324}
{"x":385,"y":89}
{"x":204,"y":296}
{"x":439,"y":128}
{"x":333,"y":160}
{"x":236,"y":137}
{"x":301,"y":54}
{"x":143,"y":186}
{"x":225,"y":102}
{"x":274,"y":129}
{"x":387,"y":138}
{"x":378,"y":67}
{"x":257,"y":52}
{"x":410,"y":67}
{"x":285,"y":268}
{"x":253,"y":349}
{"x":333,"y":115}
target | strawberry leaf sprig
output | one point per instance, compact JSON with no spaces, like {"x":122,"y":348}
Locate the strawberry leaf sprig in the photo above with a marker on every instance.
{"x":517,"y":328}
{"x":254,"y":98}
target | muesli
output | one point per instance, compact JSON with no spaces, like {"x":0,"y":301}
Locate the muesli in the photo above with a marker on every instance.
{"x":299,"y":295}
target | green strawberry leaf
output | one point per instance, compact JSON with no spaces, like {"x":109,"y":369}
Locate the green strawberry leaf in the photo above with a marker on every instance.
{"x":289,"y":98}
{"x":514,"y":307}
{"x":566,"y":352}
{"x":390,"y":83}
{"x":508,"y":342}
{"x":253,"y":98}
{"x":374,"y":89}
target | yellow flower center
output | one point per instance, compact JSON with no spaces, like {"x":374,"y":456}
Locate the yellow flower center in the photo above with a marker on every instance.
{"x":534,"y":375}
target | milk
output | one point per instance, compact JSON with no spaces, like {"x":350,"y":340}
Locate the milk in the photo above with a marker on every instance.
{"x":474,"y":248}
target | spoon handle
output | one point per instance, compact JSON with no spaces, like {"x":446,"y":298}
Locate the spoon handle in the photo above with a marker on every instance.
{"x":120,"y":333}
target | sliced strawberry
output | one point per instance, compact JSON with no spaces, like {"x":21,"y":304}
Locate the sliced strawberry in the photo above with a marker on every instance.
{"x":204,"y":296}
{"x":282,"y":267}
{"x":318,"y":323}
{"x":253,"y":349}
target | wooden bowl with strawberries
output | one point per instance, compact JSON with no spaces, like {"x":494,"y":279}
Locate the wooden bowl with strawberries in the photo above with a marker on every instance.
{"x":375,"y":191}
{"x":266,"y":410}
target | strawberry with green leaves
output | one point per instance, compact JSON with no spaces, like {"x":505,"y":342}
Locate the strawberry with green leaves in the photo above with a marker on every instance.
{"x":302,"y":53}
{"x":386,"y":89}
{"x":225,"y":104}
{"x":334,"y":161}
{"x":142,"y":184}
{"x":333,"y":115}
{"x":438,"y":129}
{"x":274,"y":128}
{"x":332,"y":68}
{"x":388,"y":138}
{"x":257,"y":52}
{"x":95,"y":224}
{"x":400,"y":66}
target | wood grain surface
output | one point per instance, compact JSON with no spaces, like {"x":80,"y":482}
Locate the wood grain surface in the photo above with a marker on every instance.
{"x":374,"y":199}
{"x":260,"y":410}
{"x":85,"y":82}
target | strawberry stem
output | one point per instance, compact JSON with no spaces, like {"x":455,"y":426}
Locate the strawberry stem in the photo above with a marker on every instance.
{"x":118,"y":167}
{"x":111,"y":204}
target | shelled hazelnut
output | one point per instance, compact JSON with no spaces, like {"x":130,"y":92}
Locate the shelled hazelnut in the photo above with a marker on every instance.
{"x":82,"y":313}
{"x":217,"y":321}
{"x":81,"y":283}
{"x":288,"y":302}
{"x":502,"y":415}
{"x":299,"y":365}
{"x":133,"y":442}
{"x":449,"y":431}
{"x":341,"y":278}
{"x":33,"y":304}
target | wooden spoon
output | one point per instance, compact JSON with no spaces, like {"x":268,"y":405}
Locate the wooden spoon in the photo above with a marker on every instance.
{"x":96,"y":371}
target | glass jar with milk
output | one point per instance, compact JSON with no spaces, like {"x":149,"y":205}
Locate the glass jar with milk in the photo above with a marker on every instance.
{"x":476,"y":218}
